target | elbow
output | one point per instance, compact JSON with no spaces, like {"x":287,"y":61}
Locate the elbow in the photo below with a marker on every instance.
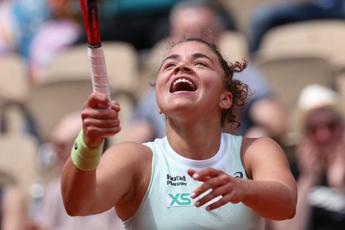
{"x":72,"y":207}
{"x":290,"y":204}
{"x":72,"y":210}
{"x":284,"y":214}
{"x":293,"y":204}
{"x":288,"y":210}
{"x":290,"y":213}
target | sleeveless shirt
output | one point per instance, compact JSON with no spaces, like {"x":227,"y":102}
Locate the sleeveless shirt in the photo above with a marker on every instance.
{"x":167,"y":203}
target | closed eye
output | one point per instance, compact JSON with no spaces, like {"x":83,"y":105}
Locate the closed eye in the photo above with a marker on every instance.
{"x":200,"y":64}
{"x":169,"y":65}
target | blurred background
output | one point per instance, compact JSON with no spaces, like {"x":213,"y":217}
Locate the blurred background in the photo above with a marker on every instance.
{"x":296,"y":75}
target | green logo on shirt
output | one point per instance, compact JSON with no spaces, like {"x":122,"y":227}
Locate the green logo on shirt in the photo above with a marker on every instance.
{"x":179,"y":199}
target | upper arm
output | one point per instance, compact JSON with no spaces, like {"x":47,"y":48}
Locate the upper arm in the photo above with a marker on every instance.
{"x":265,"y":160}
{"x":117,"y":173}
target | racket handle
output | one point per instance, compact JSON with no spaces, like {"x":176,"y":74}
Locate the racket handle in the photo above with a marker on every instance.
{"x":99,"y":73}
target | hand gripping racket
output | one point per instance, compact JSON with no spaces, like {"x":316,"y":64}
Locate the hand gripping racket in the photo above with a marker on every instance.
{"x":99,"y":74}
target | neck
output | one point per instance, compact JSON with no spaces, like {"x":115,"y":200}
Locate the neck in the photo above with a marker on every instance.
{"x":195,"y":140}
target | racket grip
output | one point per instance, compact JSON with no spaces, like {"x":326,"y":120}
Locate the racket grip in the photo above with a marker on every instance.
{"x":99,"y":75}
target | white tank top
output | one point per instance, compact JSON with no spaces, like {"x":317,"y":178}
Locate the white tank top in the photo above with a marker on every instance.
{"x":167,"y":203}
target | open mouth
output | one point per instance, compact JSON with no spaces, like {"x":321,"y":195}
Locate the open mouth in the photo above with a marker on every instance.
{"x":182,"y":84}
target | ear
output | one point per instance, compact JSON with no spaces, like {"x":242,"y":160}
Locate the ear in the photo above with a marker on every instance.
{"x":225,"y":100}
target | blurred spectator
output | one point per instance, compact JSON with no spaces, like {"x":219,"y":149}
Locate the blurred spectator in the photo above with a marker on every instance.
{"x":37,"y":29}
{"x":59,"y":31}
{"x":13,"y":204}
{"x":6,"y":35}
{"x":321,"y":162}
{"x":199,"y":18}
{"x":267,"y":17}
{"x":52,"y":214}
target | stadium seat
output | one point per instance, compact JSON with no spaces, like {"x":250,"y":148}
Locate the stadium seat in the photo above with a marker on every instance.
{"x":66,"y":83}
{"x":14,"y":84}
{"x":73,"y":63}
{"x":322,"y":38}
{"x":18,"y":158}
{"x":242,"y":10}
{"x":48,"y":102}
{"x":287,"y":76}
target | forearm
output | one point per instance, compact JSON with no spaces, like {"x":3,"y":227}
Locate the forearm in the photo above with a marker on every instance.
{"x":272,"y":200}
{"x":78,"y":189}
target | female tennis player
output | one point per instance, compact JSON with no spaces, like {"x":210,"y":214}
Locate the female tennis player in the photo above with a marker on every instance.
{"x":197,"y":177}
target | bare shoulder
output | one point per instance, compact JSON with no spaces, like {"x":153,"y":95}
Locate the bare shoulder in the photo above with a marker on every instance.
{"x":252,"y":145}
{"x":262,"y":152}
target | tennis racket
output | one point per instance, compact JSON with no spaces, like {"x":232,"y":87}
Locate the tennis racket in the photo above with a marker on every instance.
{"x":99,"y":75}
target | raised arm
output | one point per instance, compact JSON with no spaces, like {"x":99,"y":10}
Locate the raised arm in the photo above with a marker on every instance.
{"x":89,"y":188}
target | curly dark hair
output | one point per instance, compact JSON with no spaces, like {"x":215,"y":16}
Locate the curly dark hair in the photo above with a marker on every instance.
{"x":238,"y":89}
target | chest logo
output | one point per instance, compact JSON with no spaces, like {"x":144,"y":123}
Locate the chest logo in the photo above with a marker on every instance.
{"x":178,"y":200}
{"x":176,"y":180}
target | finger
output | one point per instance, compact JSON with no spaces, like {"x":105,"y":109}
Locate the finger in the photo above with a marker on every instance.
{"x":97,"y":100}
{"x":209,"y":184}
{"x":206,"y":174}
{"x":217,"y":192}
{"x":99,"y":113}
{"x":92,"y":131}
{"x":216,"y":204}
{"x":191,"y":172}
{"x":205,"y":199}
{"x":115,"y":106}
{"x":109,"y":123}
{"x":230,"y":197}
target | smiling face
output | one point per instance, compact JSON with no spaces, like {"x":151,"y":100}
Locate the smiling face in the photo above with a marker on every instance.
{"x":191,"y":80}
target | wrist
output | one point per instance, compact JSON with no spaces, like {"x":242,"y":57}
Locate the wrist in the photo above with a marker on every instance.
{"x":84,"y":157}
{"x":93,"y":142}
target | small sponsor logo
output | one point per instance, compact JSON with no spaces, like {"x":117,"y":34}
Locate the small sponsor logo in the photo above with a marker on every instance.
{"x":178,"y":200}
{"x":238,"y":174}
{"x":176,"y":180}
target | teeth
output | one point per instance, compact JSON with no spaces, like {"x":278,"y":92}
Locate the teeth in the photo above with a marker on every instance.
{"x":183,"y":80}
{"x":182,"y":84}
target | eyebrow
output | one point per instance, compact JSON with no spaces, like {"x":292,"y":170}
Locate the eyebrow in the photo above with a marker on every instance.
{"x":173,"y":56}
{"x":195,"y":56}
{"x":200,"y":55}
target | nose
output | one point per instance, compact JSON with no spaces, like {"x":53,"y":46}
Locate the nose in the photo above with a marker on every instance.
{"x":323,"y":135}
{"x":182,"y":68}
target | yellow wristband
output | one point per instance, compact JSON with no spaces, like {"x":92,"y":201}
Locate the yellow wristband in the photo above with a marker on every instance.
{"x":83,"y":157}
